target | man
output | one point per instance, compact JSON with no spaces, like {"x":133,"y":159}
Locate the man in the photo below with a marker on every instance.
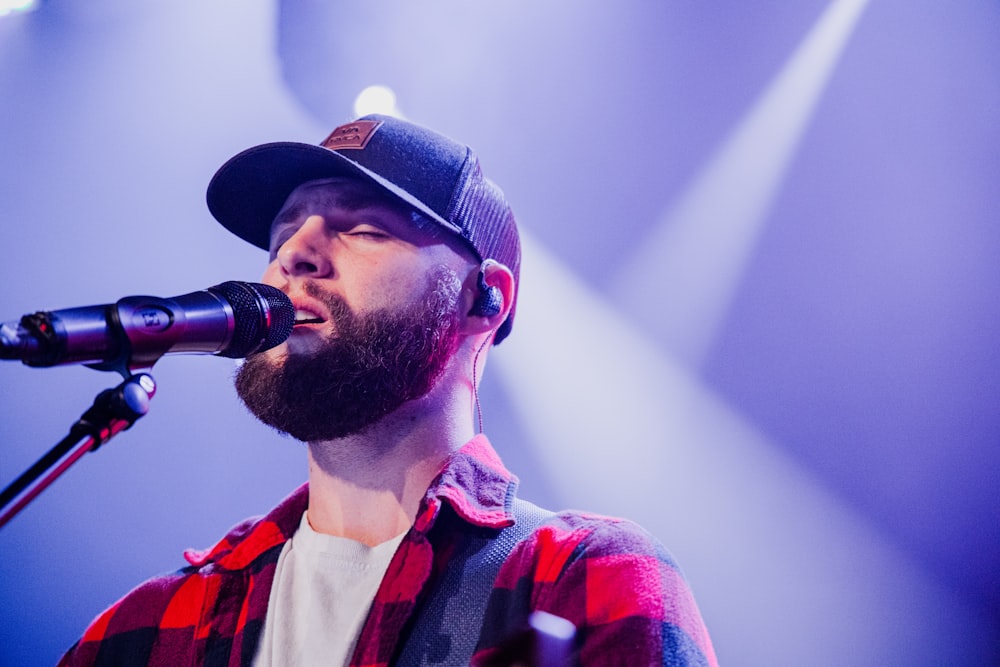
{"x":407,"y":545}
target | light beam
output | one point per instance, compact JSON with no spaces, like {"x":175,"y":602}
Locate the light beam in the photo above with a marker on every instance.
{"x":691,"y":266}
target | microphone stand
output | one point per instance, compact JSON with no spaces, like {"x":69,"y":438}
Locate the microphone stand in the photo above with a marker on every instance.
{"x":113,"y":411}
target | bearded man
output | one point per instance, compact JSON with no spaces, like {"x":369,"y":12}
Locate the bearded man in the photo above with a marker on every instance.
{"x":407,"y":545}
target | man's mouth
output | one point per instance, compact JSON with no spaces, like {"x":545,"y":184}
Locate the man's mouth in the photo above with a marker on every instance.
{"x":307,"y":317}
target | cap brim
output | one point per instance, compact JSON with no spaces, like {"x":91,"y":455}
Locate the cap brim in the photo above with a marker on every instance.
{"x":248,"y":191}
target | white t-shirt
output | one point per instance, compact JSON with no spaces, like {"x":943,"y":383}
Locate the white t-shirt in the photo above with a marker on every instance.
{"x":323,"y":588}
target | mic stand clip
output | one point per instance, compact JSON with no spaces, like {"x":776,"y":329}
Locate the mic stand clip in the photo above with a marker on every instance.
{"x":113,"y":411}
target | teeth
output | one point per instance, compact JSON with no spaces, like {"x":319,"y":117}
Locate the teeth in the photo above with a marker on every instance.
{"x":307,"y":317}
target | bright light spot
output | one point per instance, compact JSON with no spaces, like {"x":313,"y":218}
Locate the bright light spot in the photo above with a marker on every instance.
{"x":376,"y":99}
{"x":11,"y":6}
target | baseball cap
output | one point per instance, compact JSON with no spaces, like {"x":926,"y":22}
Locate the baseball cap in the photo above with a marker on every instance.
{"x":439,"y":177}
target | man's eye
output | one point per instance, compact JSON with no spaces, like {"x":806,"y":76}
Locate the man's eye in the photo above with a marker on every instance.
{"x":368,"y":232}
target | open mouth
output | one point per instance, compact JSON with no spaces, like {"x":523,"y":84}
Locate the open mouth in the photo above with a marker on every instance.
{"x":307,"y":317}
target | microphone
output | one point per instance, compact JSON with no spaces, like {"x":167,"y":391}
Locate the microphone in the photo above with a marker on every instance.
{"x":233,"y":319}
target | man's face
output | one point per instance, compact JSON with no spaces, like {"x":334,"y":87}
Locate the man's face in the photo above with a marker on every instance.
{"x":381,"y":302}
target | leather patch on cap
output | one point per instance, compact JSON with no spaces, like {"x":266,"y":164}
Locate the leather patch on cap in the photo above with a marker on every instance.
{"x":353,"y":135}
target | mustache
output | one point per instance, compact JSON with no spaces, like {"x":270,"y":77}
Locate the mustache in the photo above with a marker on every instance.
{"x":340,"y":312}
{"x":442,"y":286}
{"x":316,"y":291}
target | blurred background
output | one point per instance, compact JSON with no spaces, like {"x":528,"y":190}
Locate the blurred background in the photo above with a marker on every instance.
{"x":759,"y":307}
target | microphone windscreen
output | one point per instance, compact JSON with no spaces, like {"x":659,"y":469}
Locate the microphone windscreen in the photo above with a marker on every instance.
{"x":263,"y":315}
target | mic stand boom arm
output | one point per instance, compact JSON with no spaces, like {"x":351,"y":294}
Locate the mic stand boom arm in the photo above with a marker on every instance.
{"x":113,"y":411}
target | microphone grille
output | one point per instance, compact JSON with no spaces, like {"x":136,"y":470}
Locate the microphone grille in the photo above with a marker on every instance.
{"x":263,"y":317}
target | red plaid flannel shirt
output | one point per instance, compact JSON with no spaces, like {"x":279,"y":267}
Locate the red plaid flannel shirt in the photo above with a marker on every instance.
{"x":617,"y":585}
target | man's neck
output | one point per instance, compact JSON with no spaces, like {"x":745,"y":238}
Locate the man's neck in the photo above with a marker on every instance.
{"x":368,"y":487}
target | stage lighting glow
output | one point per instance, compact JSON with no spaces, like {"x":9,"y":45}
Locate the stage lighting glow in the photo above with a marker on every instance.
{"x":17,"y":6}
{"x":696,"y":257}
{"x":376,"y":99}
{"x":630,"y":432}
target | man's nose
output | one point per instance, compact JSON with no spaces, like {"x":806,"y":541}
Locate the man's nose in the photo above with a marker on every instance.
{"x":306,"y":252}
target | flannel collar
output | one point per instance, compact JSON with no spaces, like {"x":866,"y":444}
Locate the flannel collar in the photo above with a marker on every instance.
{"x":473,"y":481}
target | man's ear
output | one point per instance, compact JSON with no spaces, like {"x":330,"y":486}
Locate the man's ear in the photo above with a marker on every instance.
{"x":488,"y":293}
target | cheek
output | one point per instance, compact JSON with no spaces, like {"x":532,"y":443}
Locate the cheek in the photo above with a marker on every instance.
{"x":395,"y":286}
{"x":272,"y":275}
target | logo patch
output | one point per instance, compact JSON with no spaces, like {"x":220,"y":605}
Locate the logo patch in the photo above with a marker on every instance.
{"x":353,"y":135}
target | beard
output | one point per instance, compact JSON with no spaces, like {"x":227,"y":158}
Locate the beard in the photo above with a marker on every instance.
{"x":372,"y":364}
